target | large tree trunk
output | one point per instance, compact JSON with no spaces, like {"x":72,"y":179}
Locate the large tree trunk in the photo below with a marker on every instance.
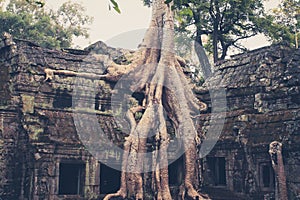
{"x":155,"y":66}
{"x":215,"y":14}
{"x":277,"y":163}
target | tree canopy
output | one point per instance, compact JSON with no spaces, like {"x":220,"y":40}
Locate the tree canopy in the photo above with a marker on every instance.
{"x":224,"y":23}
{"x":220,"y":25}
{"x":286,"y":23}
{"x":50,"y":28}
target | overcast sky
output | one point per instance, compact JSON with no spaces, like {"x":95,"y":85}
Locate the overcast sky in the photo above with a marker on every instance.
{"x":127,"y":29}
{"x":108,"y":24}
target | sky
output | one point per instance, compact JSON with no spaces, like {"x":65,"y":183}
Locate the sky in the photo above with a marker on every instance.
{"x":126,"y":30}
{"x":108,"y":23}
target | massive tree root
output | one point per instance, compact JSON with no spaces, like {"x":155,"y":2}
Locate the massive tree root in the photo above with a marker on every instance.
{"x":155,"y":67}
{"x":277,"y":164}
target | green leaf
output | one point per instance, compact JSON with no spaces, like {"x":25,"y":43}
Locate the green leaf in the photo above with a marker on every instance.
{"x":117,"y":9}
{"x":168,"y":1}
{"x":114,"y":3}
{"x":115,"y":6}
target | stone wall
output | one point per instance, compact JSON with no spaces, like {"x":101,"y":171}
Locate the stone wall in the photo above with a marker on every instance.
{"x":39,"y":139}
{"x":262,"y":93}
{"x":36,"y":119}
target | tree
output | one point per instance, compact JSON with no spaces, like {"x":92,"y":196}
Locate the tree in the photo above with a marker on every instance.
{"x":154,"y":66}
{"x":275,"y":151}
{"x":224,"y":22}
{"x":286,"y":25}
{"x":48,"y":28}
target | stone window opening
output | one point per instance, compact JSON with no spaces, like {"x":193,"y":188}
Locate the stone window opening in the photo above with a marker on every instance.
{"x":97,"y":103}
{"x":101,"y":104}
{"x":267,"y":178}
{"x":217,"y":167}
{"x":62,"y":99}
{"x":110,"y":179}
{"x":71,"y":178}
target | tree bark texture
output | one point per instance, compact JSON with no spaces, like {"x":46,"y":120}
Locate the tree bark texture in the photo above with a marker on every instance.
{"x":155,"y":65}
{"x":275,"y":152}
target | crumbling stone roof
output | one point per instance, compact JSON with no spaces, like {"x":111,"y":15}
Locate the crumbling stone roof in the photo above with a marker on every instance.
{"x":49,"y":102}
{"x":262,"y":97}
{"x":261,"y":85}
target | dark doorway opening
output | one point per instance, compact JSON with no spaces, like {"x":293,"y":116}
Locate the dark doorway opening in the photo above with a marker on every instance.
{"x":267,"y":178}
{"x":71,"y":178}
{"x":109,"y":179}
{"x":175,"y":170}
{"x":217,"y":166}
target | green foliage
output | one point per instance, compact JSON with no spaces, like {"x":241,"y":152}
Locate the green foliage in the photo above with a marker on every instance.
{"x":223,"y":22}
{"x":30,"y":20}
{"x":285,"y":23}
{"x":115,"y":6}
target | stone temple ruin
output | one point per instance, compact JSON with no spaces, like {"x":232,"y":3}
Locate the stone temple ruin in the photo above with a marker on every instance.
{"x":42,"y":156}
